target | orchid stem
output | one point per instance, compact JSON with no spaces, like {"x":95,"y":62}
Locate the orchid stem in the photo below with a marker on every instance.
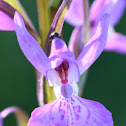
{"x":86,"y":25}
{"x":40,"y":91}
{"x":44,"y":20}
{"x":56,"y":26}
{"x":58,"y":21}
{"x":85,"y":36}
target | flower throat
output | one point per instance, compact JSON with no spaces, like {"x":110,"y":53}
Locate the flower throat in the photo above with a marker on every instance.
{"x":63,"y":71}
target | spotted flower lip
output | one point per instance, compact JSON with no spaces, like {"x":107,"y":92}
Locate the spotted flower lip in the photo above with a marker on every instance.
{"x":71,"y":112}
{"x":63,"y":72}
{"x":115,"y":41}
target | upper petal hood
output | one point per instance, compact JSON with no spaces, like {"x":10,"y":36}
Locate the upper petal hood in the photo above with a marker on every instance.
{"x":29,"y":45}
{"x":59,"y":48}
{"x":95,"y":46}
{"x":59,"y":52}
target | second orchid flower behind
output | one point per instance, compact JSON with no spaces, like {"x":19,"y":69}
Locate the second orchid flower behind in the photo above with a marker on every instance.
{"x":63,"y":72}
{"x":116,"y":42}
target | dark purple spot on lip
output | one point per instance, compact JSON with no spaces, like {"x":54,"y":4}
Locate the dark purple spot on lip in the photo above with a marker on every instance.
{"x":79,"y":108}
{"x":62,"y":116}
{"x":60,"y":106}
{"x":77,"y":117}
{"x":72,"y":99}
{"x":64,"y":104}
{"x":72,"y":123}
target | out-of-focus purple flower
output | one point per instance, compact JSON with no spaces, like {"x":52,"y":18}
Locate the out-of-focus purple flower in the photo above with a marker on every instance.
{"x":115,"y":41}
{"x":1,"y":121}
{"x":7,"y":10}
{"x":6,"y":16}
{"x":6,"y":23}
{"x":63,"y":72}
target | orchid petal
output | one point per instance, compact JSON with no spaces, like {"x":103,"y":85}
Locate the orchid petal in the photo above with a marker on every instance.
{"x":73,"y":71}
{"x":6,"y":22}
{"x":6,"y":16}
{"x":59,"y":51}
{"x":21,"y":116}
{"x":95,"y":46}
{"x":57,"y":46}
{"x":17,"y":6}
{"x":100,"y":7}
{"x":29,"y":45}
{"x":7,"y":10}
{"x":116,"y":42}
{"x":53,"y":78}
{"x":74,"y":15}
{"x":1,"y":120}
{"x":72,"y":111}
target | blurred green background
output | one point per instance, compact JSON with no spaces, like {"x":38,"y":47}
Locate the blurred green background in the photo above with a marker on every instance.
{"x":106,"y":80}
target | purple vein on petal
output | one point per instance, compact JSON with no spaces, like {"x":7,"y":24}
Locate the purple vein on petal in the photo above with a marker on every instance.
{"x":51,"y":115}
{"x":84,"y":106}
{"x":70,"y":111}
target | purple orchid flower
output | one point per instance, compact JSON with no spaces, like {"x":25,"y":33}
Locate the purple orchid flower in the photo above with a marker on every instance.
{"x":6,"y":23}
{"x":63,"y":71}
{"x":115,"y":41}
